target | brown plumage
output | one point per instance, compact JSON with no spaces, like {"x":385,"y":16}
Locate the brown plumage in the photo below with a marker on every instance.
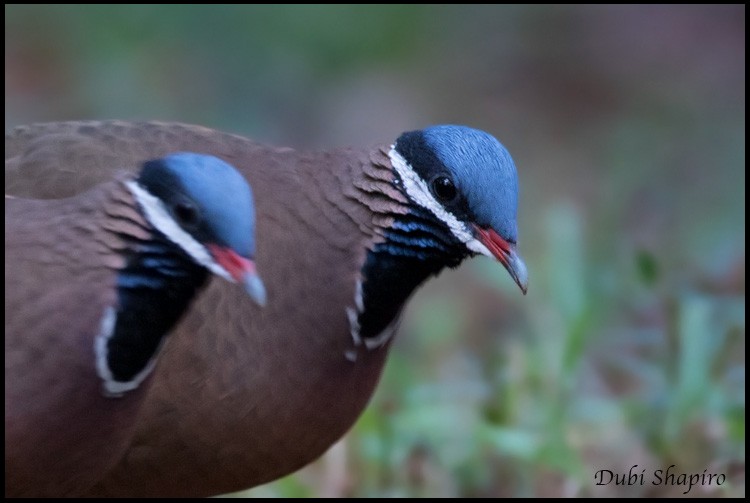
{"x":53,"y":398}
{"x":92,"y":286}
{"x":244,"y":396}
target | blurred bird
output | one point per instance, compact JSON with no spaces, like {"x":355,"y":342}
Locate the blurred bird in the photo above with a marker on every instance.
{"x":345,"y":237}
{"x":93,"y":284}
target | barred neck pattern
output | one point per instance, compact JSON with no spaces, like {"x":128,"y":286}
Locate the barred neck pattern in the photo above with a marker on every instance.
{"x":412,"y":246}
{"x":154,"y":288}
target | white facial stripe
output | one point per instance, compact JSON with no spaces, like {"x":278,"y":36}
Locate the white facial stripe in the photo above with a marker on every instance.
{"x":417,"y":189}
{"x":160,"y":218}
{"x":478,"y":247}
{"x":111,"y":387}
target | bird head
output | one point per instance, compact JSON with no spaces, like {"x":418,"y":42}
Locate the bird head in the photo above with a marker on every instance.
{"x":467,"y":180}
{"x":205,"y":206}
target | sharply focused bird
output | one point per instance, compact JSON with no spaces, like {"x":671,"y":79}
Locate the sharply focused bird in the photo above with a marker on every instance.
{"x":345,"y":236}
{"x":93,"y":285}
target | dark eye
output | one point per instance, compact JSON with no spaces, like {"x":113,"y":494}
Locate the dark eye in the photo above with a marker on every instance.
{"x":444,"y":189}
{"x":186,"y":213}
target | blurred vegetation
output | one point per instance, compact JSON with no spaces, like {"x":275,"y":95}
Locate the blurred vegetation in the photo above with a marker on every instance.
{"x":627,"y":124}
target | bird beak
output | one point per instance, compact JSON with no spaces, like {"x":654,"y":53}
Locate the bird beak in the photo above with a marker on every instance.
{"x":242,"y":270}
{"x":505,"y":252}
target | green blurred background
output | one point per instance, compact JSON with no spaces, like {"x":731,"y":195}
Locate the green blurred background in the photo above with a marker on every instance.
{"x":627,"y":124}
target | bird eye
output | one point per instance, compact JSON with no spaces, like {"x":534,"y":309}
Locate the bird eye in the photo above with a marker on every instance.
{"x":186,"y":213}
{"x":444,"y":189}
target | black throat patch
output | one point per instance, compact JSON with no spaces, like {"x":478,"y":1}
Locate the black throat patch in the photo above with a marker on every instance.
{"x":416,"y":247}
{"x":154,"y":290}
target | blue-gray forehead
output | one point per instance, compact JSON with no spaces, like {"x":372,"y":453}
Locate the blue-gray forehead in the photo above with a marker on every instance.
{"x":483,"y":168}
{"x":207,"y":175}
{"x":472,"y":152}
{"x":222,"y":192}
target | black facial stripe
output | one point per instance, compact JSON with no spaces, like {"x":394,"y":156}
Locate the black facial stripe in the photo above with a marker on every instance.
{"x":159,"y":181}
{"x":413,"y":147}
{"x":165,"y":185}
{"x":417,"y":153}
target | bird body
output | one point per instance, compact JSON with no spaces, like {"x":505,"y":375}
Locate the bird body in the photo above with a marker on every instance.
{"x":345,"y":237}
{"x":49,"y":367}
{"x":92,"y":288}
